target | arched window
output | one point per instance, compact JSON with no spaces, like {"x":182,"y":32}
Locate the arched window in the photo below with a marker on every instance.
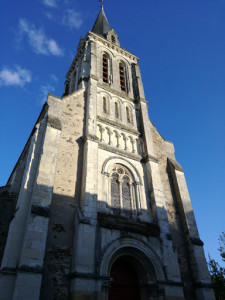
{"x":116,"y":110}
{"x":113,"y":39}
{"x":122,"y":77}
{"x":115,"y":191}
{"x":105,"y":68}
{"x":121,"y":189}
{"x":126,"y":193}
{"x":104,"y":105}
{"x":128,"y":115}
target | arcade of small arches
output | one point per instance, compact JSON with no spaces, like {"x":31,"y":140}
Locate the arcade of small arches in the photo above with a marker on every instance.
{"x":117,"y":111}
{"x":118,"y":139}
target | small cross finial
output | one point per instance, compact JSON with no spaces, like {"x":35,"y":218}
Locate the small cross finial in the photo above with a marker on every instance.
{"x":101,"y":1}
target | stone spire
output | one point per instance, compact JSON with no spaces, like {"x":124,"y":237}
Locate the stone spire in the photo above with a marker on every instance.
{"x":101,"y":25}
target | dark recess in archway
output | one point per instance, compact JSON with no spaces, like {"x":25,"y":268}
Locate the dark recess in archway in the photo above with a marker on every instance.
{"x":125,"y":284}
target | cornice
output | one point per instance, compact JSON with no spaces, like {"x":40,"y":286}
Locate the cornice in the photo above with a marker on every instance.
{"x":119,"y":152}
{"x":119,"y":125}
{"x":108,"y":88}
{"x":111,"y":45}
{"x":148,"y":158}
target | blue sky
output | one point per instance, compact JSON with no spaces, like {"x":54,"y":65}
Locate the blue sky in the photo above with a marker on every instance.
{"x":181,"y":45}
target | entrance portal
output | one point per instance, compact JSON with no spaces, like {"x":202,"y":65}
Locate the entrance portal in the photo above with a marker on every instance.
{"x":125,"y":284}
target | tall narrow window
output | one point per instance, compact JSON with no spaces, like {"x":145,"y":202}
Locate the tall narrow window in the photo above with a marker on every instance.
{"x":128,"y":115}
{"x":105,"y":68}
{"x":122,"y":77}
{"x":115,"y":191}
{"x":116,"y":110}
{"x":121,"y":189}
{"x":104,"y":105}
{"x":113,"y":39}
{"x":126,"y":193}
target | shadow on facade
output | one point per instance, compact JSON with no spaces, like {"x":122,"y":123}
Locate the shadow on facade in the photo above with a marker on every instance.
{"x":65,"y":217}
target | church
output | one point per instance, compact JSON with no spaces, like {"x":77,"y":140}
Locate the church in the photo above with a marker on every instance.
{"x":97,"y":207}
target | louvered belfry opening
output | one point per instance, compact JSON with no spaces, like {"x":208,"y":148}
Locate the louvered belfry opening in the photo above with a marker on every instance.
{"x":113,"y":39}
{"x":122,"y":77}
{"x":105,"y":65}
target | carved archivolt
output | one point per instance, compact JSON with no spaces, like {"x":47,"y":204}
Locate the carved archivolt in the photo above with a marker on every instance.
{"x":150,"y":263}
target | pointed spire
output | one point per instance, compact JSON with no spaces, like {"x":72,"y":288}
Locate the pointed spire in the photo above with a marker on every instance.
{"x":101,"y":25}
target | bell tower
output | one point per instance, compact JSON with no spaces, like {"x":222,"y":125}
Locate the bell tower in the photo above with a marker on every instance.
{"x":103,"y":210}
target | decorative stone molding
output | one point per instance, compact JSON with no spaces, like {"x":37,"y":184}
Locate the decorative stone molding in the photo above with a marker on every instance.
{"x":149,"y":158}
{"x":108,"y":88}
{"x":22,"y":269}
{"x":8,"y":271}
{"x":143,"y":253}
{"x":88,"y":276}
{"x":119,"y":152}
{"x":94,"y":77}
{"x":90,"y":137}
{"x":200,"y":285}
{"x":171,"y":283}
{"x":41,"y":211}
{"x":175,"y":164}
{"x":196,"y":241}
{"x":28,"y":269}
{"x":111,"y":45}
{"x":54,"y":122}
{"x":128,"y":225}
{"x":106,"y":285}
{"x":82,"y":219}
{"x":119,"y":125}
{"x":119,"y":160}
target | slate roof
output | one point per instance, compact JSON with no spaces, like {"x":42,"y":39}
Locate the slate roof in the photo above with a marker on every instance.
{"x":101,"y":25}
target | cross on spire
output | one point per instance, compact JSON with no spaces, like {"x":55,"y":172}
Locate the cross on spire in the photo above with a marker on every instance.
{"x":101,"y":1}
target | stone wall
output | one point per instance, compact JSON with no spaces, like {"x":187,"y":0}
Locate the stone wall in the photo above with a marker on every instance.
{"x":7,"y":209}
{"x":66,"y":194}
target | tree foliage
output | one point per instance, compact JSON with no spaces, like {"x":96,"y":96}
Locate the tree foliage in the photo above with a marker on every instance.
{"x":217,"y":272}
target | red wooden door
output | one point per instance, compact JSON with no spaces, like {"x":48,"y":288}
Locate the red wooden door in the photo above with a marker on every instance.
{"x":125,"y":285}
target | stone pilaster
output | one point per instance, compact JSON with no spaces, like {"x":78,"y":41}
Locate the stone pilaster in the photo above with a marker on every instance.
{"x":18,"y":225}
{"x":203,"y":287}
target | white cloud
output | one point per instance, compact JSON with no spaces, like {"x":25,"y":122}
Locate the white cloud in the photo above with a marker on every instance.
{"x":50,"y":3}
{"x":18,"y":77}
{"x":38,"y":40}
{"x":72,"y":19}
{"x":54,"y":48}
{"x":53,"y":78}
{"x":44,"y":91}
{"x":49,"y":15}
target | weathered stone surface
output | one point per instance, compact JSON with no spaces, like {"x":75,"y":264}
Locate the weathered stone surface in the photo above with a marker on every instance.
{"x":96,"y":182}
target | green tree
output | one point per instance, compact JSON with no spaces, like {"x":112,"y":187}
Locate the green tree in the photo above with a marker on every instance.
{"x":222,"y":246}
{"x":217,"y":272}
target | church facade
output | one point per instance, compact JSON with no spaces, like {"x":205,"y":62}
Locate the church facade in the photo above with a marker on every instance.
{"x":97,"y":207}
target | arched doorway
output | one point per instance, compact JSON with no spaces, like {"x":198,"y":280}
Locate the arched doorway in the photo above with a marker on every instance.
{"x":125,"y":280}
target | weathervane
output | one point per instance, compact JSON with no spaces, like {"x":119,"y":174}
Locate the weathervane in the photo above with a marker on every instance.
{"x":101,"y":1}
